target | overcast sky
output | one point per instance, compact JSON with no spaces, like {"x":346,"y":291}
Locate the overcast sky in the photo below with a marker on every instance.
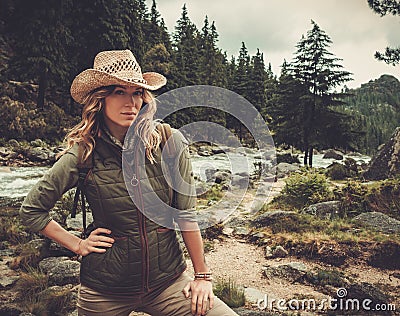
{"x":275,"y":27}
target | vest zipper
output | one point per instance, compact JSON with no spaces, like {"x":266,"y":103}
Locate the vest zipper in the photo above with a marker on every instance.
{"x":142,"y":226}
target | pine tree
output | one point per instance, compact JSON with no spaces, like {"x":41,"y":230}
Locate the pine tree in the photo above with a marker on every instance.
{"x":40,"y":38}
{"x":241,"y":85}
{"x":287,"y":109}
{"x":384,"y":7}
{"x":319,"y":70}
{"x":156,"y":30}
{"x":258,"y":82}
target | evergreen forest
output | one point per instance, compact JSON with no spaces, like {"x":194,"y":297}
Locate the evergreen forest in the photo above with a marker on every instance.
{"x":45,"y":44}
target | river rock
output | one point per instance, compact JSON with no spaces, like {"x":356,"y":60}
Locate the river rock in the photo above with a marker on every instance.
{"x":38,"y":143}
{"x":13,"y":143}
{"x":205,"y":151}
{"x":379,"y":222}
{"x":222,"y":176}
{"x":240,"y":181}
{"x":38,"y":154}
{"x":325,"y":210}
{"x":60,"y":270}
{"x":287,"y":157}
{"x":386,"y":163}
{"x":333,"y":154}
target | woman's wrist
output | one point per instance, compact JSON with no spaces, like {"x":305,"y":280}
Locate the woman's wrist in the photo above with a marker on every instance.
{"x":206,"y":276}
{"x":78,"y":250}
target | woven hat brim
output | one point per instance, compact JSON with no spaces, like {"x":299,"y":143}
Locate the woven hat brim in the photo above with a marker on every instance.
{"x":91,"y":79}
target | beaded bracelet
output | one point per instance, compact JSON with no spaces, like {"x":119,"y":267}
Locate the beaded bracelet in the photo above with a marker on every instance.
{"x":207,"y":276}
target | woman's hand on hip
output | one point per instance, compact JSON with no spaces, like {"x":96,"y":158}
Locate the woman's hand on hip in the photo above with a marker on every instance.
{"x":202,"y":296}
{"x":96,"y":242}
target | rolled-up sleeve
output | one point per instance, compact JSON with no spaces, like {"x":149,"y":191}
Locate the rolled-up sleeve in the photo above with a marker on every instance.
{"x":63,"y":176}
{"x":183,"y":180}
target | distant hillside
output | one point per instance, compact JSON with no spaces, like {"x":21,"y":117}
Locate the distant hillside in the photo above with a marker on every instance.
{"x":376,"y":107}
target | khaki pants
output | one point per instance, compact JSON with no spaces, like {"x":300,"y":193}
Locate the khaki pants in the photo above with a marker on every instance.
{"x":171,"y":302}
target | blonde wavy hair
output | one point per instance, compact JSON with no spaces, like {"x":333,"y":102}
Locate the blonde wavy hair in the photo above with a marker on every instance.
{"x":88,"y":128}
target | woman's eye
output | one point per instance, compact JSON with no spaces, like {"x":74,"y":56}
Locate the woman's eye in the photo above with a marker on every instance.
{"x":139,"y":92}
{"x":119,"y":92}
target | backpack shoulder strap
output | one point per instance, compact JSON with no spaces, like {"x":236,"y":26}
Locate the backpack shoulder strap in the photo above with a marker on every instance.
{"x":84,"y":167}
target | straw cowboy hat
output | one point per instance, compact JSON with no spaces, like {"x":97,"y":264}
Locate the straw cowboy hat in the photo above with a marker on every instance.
{"x":115,"y":67}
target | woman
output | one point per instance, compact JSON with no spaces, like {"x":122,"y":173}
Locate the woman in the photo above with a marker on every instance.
{"x":129,"y":262}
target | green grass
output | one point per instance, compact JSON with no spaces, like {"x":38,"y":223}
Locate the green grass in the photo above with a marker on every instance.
{"x":229,"y":292}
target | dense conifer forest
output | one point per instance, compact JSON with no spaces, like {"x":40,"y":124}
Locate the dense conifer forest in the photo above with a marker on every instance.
{"x":43,"y":45}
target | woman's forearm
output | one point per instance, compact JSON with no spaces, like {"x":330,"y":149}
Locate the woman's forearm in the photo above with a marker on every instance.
{"x":194,"y":244}
{"x":55,"y":232}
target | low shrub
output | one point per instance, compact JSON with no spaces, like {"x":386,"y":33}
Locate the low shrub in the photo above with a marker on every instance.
{"x":382,"y":196}
{"x":305,"y":189}
{"x":229,"y":293}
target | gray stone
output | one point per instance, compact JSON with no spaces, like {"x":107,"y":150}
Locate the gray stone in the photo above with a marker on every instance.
{"x":325,"y":210}
{"x":333,"y":154}
{"x":228,"y":231}
{"x":4,"y":151}
{"x":292,"y":271}
{"x":379,"y":222}
{"x":241,"y":231}
{"x":13,"y":143}
{"x":279,"y":252}
{"x":60,"y":270}
{"x":259,"y":235}
{"x":253,"y":295}
{"x":38,"y":143}
{"x":204,"y":151}
{"x":6,"y":281}
{"x":222,"y":176}
{"x":386,"y":163}
{"x":38,"y":154}
{"x":283,"y":169}
{"x":240,"y":181}
{"x":268,"y":252}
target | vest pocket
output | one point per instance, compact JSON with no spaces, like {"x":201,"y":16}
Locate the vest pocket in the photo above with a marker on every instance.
{"x":169,"y":250}
{"x":108,"y":269}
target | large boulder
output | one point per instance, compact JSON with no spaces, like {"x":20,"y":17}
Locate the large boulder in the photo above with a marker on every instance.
{"x":333,"y":154}
{"x":386,"y":163}
{"x":378,"y":221}
{"x":293,"y":271}
{"x":60,"y":270}
{"x":325,"y":210}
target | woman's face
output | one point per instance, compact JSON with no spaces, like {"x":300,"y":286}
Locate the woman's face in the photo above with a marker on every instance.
{"x":121,"y":108}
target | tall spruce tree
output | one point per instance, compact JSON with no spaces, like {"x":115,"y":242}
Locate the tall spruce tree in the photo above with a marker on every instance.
{"x":186,"y":51}
{"x":258,"y":82}
{"x":384,"y":7}
{"x":318,"y":70}
{"x":287,"y":109}
{"x":241,"y":85}
{"x":40,"y":40}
